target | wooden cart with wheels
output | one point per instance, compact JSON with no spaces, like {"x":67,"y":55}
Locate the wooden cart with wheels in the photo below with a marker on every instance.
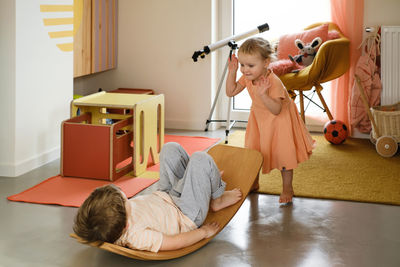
{"x":385,"y":121}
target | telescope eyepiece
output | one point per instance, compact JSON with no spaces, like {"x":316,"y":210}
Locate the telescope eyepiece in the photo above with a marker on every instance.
{"x":263,"y":28}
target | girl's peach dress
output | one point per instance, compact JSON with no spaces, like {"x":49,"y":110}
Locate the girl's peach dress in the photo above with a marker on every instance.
{"x":283,"y":139}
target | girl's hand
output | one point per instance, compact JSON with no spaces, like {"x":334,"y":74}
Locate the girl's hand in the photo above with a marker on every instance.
{"x":210,"y":229}
{"x":233,"y":63}
{"x":262,"y":86}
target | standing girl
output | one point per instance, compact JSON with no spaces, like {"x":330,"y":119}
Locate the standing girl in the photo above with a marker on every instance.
{"x":274,"y":127}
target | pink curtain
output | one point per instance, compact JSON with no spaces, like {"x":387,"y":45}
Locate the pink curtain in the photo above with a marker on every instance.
{"x":349,"y":16}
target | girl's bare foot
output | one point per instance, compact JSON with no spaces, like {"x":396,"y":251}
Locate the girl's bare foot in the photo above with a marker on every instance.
{"x":227,"y":199}
{"x":287,"y":191}
{"x":286,"y":196}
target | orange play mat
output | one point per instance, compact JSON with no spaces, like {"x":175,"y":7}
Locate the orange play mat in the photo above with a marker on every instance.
{"x":70,"y":191}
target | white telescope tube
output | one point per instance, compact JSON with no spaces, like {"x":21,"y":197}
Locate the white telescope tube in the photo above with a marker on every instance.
{"x":209,"y":48}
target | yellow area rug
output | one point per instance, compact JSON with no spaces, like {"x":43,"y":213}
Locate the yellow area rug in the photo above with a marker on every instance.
{"x":350,"y":171}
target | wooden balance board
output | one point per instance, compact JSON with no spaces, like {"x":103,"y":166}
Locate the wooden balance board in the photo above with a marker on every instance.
{"x":241,"y":167}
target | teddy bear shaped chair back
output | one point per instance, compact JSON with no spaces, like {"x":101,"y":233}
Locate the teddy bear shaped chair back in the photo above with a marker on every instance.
{"x":331,"y":61}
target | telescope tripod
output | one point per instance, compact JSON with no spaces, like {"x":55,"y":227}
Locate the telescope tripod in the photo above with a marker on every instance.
{"x":229,"y":123}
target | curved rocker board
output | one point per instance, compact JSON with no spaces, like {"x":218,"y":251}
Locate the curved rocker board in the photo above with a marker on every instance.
{"x":241,"y":167}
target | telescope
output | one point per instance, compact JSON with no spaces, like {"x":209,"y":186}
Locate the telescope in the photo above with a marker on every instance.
{"x":231,"y":42}
{"x":227,"y":41}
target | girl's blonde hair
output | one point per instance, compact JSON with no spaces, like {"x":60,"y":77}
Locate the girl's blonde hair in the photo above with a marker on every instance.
{"x":258,"y":45}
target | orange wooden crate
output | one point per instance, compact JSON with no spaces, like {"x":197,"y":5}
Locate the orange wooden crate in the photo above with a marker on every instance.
{"x":95,"y":150}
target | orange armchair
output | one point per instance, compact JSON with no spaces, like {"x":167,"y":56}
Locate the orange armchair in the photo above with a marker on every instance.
{"x":331,"y":61}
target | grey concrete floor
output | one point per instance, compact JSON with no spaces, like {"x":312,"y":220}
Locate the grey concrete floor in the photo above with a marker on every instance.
{"x":310,"y":232}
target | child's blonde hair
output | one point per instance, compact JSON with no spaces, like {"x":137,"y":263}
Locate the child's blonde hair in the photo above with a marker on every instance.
{"x":258,"y":45}
{"x":102,"y":216}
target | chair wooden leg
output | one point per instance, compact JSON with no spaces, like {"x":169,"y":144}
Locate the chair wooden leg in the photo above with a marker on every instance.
{"x":303,"y":117}
{"x":318,"y":88}
{"x":292,"y":94}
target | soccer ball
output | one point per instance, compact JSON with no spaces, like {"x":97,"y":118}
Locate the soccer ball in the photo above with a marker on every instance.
{"x":335,"y":132}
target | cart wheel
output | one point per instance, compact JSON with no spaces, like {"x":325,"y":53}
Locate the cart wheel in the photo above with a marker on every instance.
{"x":386,"y":146}
{"x":373,"y":140}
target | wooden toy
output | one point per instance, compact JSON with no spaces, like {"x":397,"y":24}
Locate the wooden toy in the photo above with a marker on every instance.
{"x":385,"y":120}
{"x":241,"y":167}
{"x":147,"y":112}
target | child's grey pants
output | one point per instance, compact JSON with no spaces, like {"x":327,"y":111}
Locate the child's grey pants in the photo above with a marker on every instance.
{"x":191,"y":182}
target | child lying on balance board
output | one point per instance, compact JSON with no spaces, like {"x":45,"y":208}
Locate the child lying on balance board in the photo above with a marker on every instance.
{"x":168,"y":219}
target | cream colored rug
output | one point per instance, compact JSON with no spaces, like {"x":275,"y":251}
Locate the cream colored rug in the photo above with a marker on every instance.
{"x":350,"y":171}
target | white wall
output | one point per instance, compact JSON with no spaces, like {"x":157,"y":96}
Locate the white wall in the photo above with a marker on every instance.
{"x":381,"y":12}
{"x":7,"y":84}
{"x":37,"y":95}
{"x":156,"y":41}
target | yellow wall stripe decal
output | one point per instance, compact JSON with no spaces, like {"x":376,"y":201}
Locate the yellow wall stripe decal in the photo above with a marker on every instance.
{"x":56,"y":8}
{"x":58,"y":21}
{"x":61,"y":34}
{"x":66,"y":47}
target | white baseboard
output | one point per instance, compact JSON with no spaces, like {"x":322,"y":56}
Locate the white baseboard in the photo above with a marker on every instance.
{"x":315,"y":128}
{"x":14,"y":170}
{"x":200,"y":125}
{"x":186,"y":125}
{"x":7,"y":170}
{"x":357,"y":134}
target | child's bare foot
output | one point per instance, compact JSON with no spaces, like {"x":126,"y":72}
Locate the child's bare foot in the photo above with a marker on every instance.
{"x":287,"y":191}
{"x":286,"y":196}
{"x":227,"y":199}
